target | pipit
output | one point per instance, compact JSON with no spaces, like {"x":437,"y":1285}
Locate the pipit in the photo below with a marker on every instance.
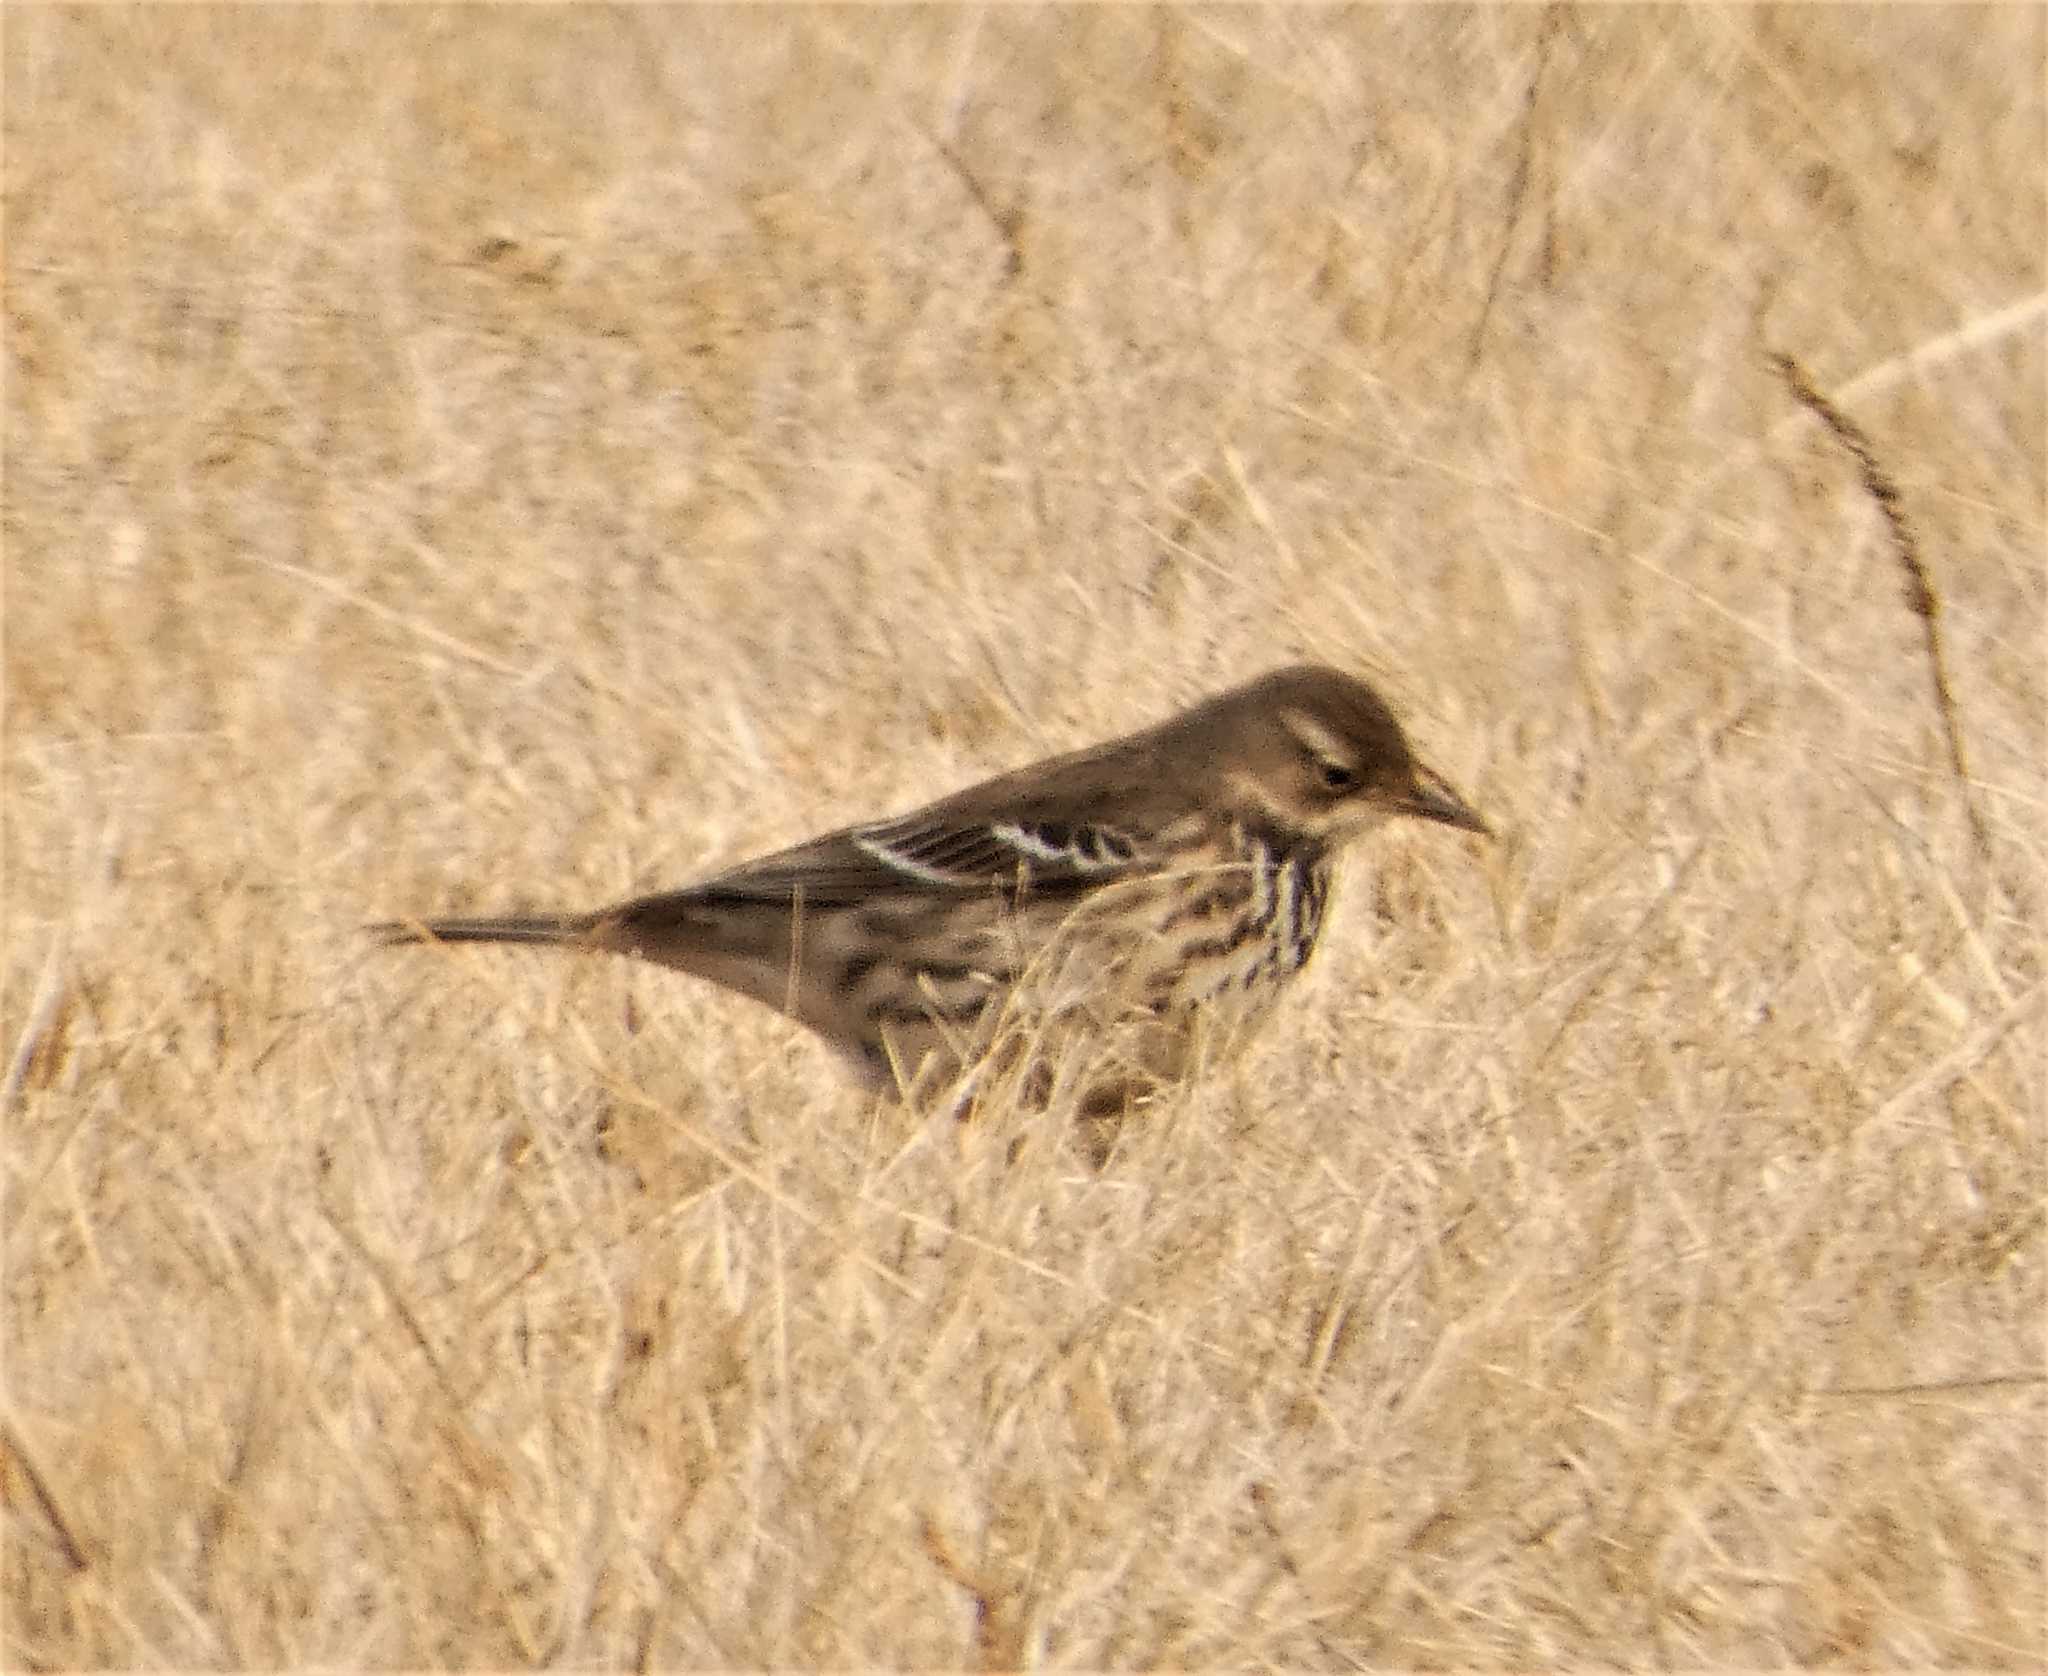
{"x":1162,"y":889}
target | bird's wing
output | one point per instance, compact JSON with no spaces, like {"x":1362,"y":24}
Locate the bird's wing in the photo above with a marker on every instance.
{"x":934,"y":851}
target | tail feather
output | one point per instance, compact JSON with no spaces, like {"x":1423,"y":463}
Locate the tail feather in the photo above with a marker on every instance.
{"x":549,"y":928}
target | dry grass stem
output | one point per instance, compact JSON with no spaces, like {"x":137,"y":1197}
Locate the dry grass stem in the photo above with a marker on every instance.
{"x":476,"y":460}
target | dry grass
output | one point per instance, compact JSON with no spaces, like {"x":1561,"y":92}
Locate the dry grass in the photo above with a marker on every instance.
{"x":492,"y":457}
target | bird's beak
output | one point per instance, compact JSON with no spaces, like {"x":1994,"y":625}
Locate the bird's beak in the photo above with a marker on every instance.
{"x":1431,"y":799}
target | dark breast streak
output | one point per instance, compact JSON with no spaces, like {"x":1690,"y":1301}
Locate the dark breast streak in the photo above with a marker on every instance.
{"x":1265,"y":914}
{"x":1243,"y":930}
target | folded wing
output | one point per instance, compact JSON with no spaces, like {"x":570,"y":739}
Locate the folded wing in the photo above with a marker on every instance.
{"x":927,"y":853}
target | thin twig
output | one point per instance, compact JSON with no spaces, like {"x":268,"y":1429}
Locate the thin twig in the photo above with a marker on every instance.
{"x":1518,"y":188}
{"x":42,"y":1013}
{"x":1008,"y":223}
{"x":1936,"y":1387}
{"x":1921,"y":598}
{"x":17,"y":1451}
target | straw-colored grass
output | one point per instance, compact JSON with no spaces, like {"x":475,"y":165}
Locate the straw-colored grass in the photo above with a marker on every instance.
{"x":497,"y":458}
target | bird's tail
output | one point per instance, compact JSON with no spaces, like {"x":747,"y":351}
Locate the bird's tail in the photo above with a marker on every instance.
{"x":547,"y":928}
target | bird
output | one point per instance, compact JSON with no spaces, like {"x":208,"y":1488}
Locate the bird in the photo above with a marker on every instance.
{"x":1157,"y":893}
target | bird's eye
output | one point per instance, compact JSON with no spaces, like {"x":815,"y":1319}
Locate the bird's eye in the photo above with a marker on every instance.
{"x":1337,"y":777}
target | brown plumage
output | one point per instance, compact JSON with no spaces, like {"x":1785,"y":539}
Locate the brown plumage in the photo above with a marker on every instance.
{"x":1162,"y":888}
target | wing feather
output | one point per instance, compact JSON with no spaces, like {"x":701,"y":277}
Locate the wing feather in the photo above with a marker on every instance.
{"x":928,"y":852}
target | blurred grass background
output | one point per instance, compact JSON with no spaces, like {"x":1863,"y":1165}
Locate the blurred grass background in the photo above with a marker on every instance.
{"x":478,"y":458}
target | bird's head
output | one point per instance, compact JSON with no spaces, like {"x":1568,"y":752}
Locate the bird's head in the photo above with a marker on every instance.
{"x":1316,"y":750}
